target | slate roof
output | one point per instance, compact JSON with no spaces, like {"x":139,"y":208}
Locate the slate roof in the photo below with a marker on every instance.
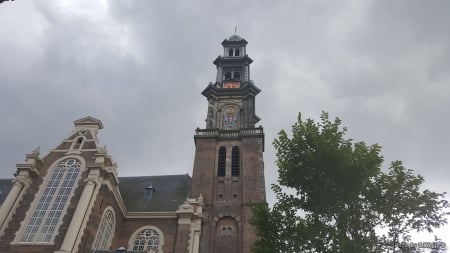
{"x":5,"y":187}
{"x":170,"y":192}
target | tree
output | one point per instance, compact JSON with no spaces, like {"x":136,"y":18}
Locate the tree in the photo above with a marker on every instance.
{"x":404,"y":207}
{"x":331,"y":195}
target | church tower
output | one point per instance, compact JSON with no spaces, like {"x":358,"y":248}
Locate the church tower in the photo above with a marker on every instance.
{"x":228,"y":168}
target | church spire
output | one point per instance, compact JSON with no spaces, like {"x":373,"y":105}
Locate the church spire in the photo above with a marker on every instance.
{"x":228,"y":165}
{"x":231,"y":97}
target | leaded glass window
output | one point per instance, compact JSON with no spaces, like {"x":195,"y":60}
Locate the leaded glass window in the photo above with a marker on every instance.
{"x":52,"y":202}
{"x":147,"y":240}
{"x":105,"y":231}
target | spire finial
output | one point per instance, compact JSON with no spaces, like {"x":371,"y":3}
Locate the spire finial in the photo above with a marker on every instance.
{"x":235,"y":29}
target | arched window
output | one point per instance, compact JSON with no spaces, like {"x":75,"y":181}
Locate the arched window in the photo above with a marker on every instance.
{"x":221,"y":162}
{"x":230,"y":52}
{"x":237,"y":75}
{"x":52,"y":202}
{"x":227,"y":75}
{"x":147,"y":239}
{"x":105,"y":231}
{"x":235,"y":162}
{"x":226,"y":231}
{"x":236,"y":52}
{"x":77,"y":143}
{"x":226,"y":236}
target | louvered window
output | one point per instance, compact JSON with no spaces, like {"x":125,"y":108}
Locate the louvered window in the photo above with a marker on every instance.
{"x":221,"y":162}
{"x":235,"y":162}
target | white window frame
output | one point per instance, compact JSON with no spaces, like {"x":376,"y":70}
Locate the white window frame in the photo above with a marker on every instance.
{"x":106,"y":230}
{"x":134,"y":236}
{"x":74,"y":142}
{"x":52,"y":200}
{"x":226,"y":231}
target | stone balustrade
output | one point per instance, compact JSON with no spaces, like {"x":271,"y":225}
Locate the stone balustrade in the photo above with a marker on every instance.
{"x":223,"y":133}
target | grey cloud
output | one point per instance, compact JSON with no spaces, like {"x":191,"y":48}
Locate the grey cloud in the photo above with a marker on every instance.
{"x":140,"y":66}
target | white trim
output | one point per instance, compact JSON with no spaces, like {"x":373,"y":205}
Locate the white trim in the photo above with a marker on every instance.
{"x":37,"y":197}
{"x":75,"y":142}
{"x":67,"y":150}
{"x":141,"y":229}
{"x":13,"y":209}
{"x":108,"y":209}
{"x":86,"y":216}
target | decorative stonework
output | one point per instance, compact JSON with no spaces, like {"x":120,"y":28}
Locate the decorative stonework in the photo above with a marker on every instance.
{"x":191,"y":213}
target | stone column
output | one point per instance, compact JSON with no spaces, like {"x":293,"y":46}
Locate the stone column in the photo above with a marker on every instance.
{"x":80,"y":211}
{"x":196,"y":241}
{"x":21,"y":181}
{"x":196,"y":225}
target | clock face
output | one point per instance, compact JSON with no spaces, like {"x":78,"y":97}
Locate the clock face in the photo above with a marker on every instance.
{"x":231,"y":85}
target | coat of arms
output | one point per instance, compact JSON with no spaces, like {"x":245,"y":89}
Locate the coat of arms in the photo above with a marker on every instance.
{"x":230,"y":118}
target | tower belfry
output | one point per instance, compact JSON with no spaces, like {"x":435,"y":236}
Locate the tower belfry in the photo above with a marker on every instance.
{"x":228,"y":168}
{"x":232,"y":81}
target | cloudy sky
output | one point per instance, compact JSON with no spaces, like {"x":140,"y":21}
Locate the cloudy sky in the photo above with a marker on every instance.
{"x":383,"y":67}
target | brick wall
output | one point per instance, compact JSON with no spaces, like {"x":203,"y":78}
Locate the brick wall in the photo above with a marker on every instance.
{"x":26,"y":203}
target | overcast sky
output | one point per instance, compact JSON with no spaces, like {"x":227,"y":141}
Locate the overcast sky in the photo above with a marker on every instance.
{"x":383,"y":67}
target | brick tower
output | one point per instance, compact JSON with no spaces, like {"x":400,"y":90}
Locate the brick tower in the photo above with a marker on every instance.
{"x":228,"y":168}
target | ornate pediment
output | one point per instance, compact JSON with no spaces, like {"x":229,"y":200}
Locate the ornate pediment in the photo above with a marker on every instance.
{"x":88,"y":122}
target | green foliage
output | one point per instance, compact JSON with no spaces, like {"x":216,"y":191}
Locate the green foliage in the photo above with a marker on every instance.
{"x":332,"y":194}
{"x":404,"y":207}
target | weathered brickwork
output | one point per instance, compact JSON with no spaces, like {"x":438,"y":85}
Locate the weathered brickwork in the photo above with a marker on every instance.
{"x":25,"y":205}
{"x":104,"y":199}
{"x":204,"y":167}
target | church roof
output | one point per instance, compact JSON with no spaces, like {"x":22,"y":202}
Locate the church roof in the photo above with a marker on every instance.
{"x":235,"y":37}
{"x":5,"y":187}
{"x":234,"y":40}
{"x":170,"y":191}
{"x":154,"y":193}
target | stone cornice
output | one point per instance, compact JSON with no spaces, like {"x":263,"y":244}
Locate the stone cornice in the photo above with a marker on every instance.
{"x":227,"y":42}
{"x":151,"y":215}
{"x":248,"y":88}
{"x":232,"y":60}
{"x":32,"y":163}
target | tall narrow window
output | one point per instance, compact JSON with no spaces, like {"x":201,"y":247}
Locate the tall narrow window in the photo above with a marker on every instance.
{"x":221,"y":162}
{"x":227,"y":75}
{"x":236,"y":52}
{"x":226,"y":231}
{"x":237,"y":75}
{"x":47,"y":214}
{"x":235,"y":162}
{"x":105,"y":231}
{"x":230,"y":52}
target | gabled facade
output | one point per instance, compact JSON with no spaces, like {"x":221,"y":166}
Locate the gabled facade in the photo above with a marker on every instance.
{"x":72,"y":200}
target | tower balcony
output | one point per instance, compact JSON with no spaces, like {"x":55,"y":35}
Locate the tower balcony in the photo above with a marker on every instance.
{"x":254,"y":132}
